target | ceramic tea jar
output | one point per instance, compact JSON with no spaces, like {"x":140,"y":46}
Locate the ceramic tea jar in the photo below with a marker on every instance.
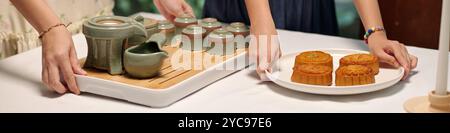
{"x":238,"y":28}
{"x":145,"y":60}
{"x":167,"y":29}
{"x":183,"y":21}
{"x":150,"y":25}
{"x":240,"y":31}
{"x":221,"y":42}
{"x":210,"y":24}
{"x":193,"y":38}
{"x":105,"y":36}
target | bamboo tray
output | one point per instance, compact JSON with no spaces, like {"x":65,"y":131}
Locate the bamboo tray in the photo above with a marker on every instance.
{"x":171,"y":85}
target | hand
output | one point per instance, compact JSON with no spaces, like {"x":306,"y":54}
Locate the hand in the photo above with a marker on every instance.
{"x":392,"y":52}
{"x":170,"y":9}
{"x":60,"y":61}
{"x":264,"y":49}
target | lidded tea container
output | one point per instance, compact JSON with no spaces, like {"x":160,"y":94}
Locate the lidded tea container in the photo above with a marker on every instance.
{"x":221,"y":42}
{"x":192,"y":38}
{"x":183,"y":21}
{"x":238,"y":28}
{"x":240,"y":32}
{"x":167,"y":29}
{"x":106,"y":36}
{"x":210,"y":24}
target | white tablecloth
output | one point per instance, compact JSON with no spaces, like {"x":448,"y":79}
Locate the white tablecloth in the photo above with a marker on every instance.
{"x":21,"y":89}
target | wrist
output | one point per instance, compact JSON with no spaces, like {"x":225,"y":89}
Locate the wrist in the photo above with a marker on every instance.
{"x":47,"y":22}
{"x":55,"y":33}
{"x":53,"y":28}
{"x":376,"y":37}
{"x":371,"y":31}
{"x":263,"y":30}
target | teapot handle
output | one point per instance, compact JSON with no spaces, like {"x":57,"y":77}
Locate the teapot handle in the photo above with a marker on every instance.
{"x":138,"y":18}
{"x":138,"y":29}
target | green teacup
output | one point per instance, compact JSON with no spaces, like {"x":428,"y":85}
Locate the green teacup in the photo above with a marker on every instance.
{"x":145,"y":60}
{"x":210,"y":24}
{"x":221,"y":42}
{"x":106,"y":36}
{"x":192,"y":39}
{"x":167,"y":29}
{"x":184,"y":21}
{"x":240,"y":32}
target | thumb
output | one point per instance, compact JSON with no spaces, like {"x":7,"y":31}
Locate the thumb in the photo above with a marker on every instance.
{"x":262,"y":75}
{"x":187,"y":9}
{"x":177,"y":11}
{"x":74,"y":62}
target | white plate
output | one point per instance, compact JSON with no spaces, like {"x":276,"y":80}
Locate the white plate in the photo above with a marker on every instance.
{"x":282,"y":70}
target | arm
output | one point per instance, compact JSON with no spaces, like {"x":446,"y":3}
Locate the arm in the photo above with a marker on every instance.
{"x":388,"y":51}
{"x":260,"y":15}
{"x":59,"y":59}
{"x":264,"y":45}
{"x":37,"y":12}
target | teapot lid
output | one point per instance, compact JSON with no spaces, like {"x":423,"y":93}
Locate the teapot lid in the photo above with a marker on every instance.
{"x":113,"y":26}
{"x":237,"y":27}
{"x":185,"y":18}
{"x":150,"y":23}
{"x":210,"y":23}
{"x":194,"y":29}
{"x":164,"y":25}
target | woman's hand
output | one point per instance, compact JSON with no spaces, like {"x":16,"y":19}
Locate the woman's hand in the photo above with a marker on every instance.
{"x":264,"y":45}
{"x":59,"y":61}
{"x":264,"y":48}
{"x":388,"y":51}
{"x":170,"y":9}
{"x":392,"y":52}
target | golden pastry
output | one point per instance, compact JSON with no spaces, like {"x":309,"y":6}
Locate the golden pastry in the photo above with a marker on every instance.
{"x":354,"y":75}
{"x":361,"y":59}
{"x":312,"y":74}
{"x":314,"y":58}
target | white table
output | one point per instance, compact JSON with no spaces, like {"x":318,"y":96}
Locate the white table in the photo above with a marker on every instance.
{"x":21,"y":89}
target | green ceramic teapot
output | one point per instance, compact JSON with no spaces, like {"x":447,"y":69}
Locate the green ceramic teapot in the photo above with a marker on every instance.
{"x":150,"y":25}
{"x":106,"y":37}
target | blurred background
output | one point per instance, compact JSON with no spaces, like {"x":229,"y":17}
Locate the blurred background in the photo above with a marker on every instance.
{"x":412,"y":22}
{"x":348,"y":20}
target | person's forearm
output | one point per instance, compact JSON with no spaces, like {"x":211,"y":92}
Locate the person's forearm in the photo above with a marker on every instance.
{"x":259,"y":13}
{"x":369,"y":12}
{"x":37,"y":12}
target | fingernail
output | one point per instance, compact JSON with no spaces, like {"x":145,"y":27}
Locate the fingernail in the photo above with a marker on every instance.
{"x":396,"y":64}
{"x":83,"y":72}
{"x":60,"y":92}
{"x":405,"y":77}
{"x":261,"y":76}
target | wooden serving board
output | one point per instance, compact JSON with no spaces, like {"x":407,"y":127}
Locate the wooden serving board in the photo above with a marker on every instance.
{"x":172,"y":84}
{"x":168,"y":75}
